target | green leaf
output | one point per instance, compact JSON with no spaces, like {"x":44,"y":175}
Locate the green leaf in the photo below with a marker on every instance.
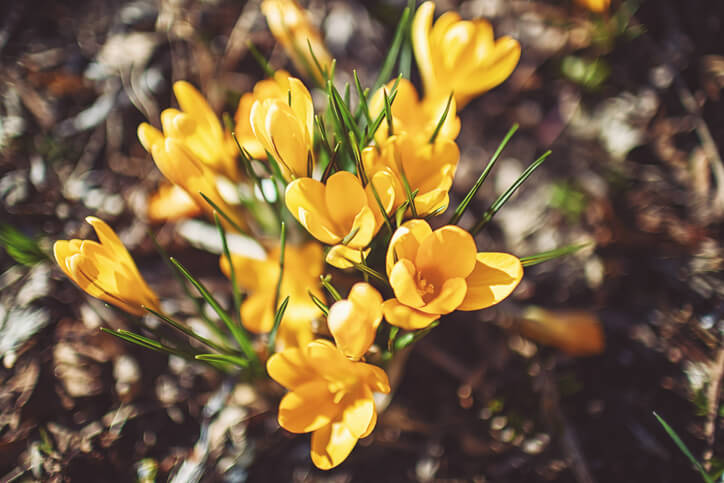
{"x":223,"y":214}
{"x":442,"y":120}
{"x":236,"y":294}
{"x":326,"y":281}
{"x":410,"y":338}
{"x":20,"y":247}
{"x":363,"y":107}
{"x":268,"y":70}
{"x":391,"y":59}
{"x":321,"y":305}
{"x":223,"y":358}
{"x":235,"y":330}
{"x":502,"y":199}
{"x":277,"y":321}
{"x":188,"y":331}
{"x":145,"y":342}
{"x":471,"y":194}
{"x":672,"y":434}
{"x":541,"y":257}
{"x":178,"y":275}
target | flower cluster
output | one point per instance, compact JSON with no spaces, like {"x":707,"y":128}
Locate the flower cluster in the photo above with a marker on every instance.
{"x":366,"y":185}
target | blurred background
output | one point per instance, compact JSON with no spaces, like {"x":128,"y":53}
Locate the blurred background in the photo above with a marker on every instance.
{"x":629,"y":101}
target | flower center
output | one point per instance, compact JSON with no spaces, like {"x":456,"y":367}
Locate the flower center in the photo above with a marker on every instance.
{"x":423,"y":286}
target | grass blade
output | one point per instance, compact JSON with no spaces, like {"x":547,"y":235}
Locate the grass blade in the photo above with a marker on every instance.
{"x":441,"y":121}
{"x":278,"y":316}
{"x":235,"y":330}
{"x":469,"y":197}
{"x":389,"y":64}
{"x":321,"y":305}
{"x":188,"y":331}
{"x":223,"y":214}
{"x":326,"y":281}
{"x":236,"y":294}
{"x":223,"y":358}
{"x":672,"y":434}
{"x":541,"y":257}
{"x":502,"y":199}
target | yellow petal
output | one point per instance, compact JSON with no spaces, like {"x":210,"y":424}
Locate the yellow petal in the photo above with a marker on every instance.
{"x":384,"y":184}
{"x":302,"y":106}
{"x":345,"y":198}
{"x":404,"y":284}
{"x":449,"y":252}
{"x":307,"y":407}
{"x":405,"y":317}
{"x":171,"y":203}
{"x":256,"y":312}
{"x":359,"y":410}
{"x":353,"y":322}
{"x":63,"y":250}
{"x":305,"y":199}
{"x":289,"y":368}
{"x":371,"y":426}
{"x":289,"y":142}
{"x":406,"y":241}
{"x":342,"y":256}
{"x":148,"y":136}
{"x":193,"y":103}
{"x":494,"y":278}
{"x":420,"y":31}
{"x":331,"y":445}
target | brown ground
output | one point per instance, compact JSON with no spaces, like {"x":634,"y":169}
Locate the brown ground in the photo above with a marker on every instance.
{"x":475,"y":402}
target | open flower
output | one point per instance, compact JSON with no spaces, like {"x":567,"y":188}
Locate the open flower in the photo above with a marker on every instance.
{"x":428,"y":168}
{"x":353,"y":322}
{"x":413,"y":116}
{"x":329,"y":396}
{"x":302,"y":267}
{"x":181,"y":167}
{"x":341,"y":210}
{"x":105,"y":270}
{"x":597,"y":6}
{"x":460,"y":56}
{"x":285,"y":128}
{"x":290,"y":25}
{"x":171,"y":203}
{"x":433,"y":273}
{"x":276,"y":87}
{"x":198,"y":128}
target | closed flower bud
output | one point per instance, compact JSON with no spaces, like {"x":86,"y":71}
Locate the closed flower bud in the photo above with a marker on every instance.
{"x":460,"y":56}
{"x":353,"y":322}
{"x":105,"y":270}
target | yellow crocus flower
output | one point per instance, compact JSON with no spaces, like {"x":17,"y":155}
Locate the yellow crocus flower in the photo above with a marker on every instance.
{"x":291,"y":27}
{"x":340,"y":209}
{"x":329,"y":396}
{"x":276,"y":87}
{"x":460,"y":56}
{"x":176,"y":162}
{"x":198,"y":128}
{"x":302,"y":267}
{"x":428,"y":168}
{"x":433,"y":273}
{"x":285,"y":128}
{"x":353,"y":322}
{"x":597,"y":6}
{"x":105,"y":270}
{"x":412,"y":115}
